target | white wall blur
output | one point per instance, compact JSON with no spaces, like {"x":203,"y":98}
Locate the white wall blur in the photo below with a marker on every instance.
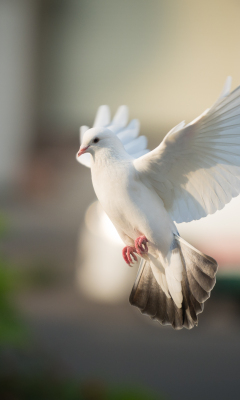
{"x":167,"y":60}
{"x":101,"y":272}
{"x":17,"y":84}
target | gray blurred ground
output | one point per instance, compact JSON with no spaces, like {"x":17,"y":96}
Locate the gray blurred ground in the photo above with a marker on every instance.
{"x":114,"y":343}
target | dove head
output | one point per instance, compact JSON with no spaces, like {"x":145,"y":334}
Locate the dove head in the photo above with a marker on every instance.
{"x":95,"y":139}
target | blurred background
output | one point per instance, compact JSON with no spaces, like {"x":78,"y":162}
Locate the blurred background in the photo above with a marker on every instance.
{"x":67,"y":330}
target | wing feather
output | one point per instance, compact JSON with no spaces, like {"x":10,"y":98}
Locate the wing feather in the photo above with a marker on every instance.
{"x":121,"y":117}
{"x":136,"y":145}
{"x":130,"y":133}
{"x":102,"y":117}
{"x":196,"y":168}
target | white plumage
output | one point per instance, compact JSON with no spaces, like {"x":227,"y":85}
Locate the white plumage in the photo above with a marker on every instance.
{"x":128,"y":135}
{"x":194,"y":172}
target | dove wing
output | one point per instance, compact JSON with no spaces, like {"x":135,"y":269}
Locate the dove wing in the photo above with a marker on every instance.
{"x":196,"y":168}
{"x":135,"y":145}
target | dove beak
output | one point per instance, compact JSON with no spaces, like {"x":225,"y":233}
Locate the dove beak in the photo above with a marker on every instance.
{"x":82,"y":150}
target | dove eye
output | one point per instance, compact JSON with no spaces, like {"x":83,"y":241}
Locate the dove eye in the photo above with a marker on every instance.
{"x":96,"y":140}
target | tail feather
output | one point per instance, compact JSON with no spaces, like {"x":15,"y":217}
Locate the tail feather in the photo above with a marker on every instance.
{"x":203,"y":279}
{"x":206,"y":263}
{"x":188,"y":309}
{"x":175,"y":314}
{"x":198,"y":307}
{"x":161,"y":314}
{"x":147,"y":295}
{"x":199,"y":271}
{"x":198,"y":292}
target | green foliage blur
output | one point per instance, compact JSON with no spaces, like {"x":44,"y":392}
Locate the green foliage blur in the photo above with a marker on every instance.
{"x":12,"y":329}
{"x":50,"y":389}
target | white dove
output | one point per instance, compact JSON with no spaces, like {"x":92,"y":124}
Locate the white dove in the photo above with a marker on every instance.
{"x":194,"y":172}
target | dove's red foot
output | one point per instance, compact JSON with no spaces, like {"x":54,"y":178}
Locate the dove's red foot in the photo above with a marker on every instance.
{"x":141,"y":245}
{"x":128,"y":254}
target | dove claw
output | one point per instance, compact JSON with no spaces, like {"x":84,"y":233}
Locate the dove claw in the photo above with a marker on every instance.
{"x":141,"y":245}
{"x":128,"y":254}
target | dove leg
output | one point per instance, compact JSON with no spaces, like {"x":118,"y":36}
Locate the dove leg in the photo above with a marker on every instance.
{"x":141,"y":245}
{"x":128,"y":254}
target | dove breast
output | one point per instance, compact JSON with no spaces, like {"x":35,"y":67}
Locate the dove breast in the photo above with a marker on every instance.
{"x":134,"y":208}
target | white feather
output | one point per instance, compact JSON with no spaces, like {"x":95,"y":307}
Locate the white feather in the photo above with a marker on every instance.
{"x":173,"y":272}
{"x":159,"y":275}
{"x":121,"y":116}
{"x":130,"y":133}
{"x":136,"y":145}
{"x":200,"y":163}
{"x":102,"y":117}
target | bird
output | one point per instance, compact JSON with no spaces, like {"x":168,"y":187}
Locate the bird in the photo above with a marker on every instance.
{"x":194,"y":172}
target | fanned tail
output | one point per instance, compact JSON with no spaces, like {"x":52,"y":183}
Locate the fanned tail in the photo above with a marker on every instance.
{"x":199,"y":278}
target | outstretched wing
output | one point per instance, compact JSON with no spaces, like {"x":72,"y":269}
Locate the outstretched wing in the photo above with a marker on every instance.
{"x":135,"y":145}
{"x":196,"y":168}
